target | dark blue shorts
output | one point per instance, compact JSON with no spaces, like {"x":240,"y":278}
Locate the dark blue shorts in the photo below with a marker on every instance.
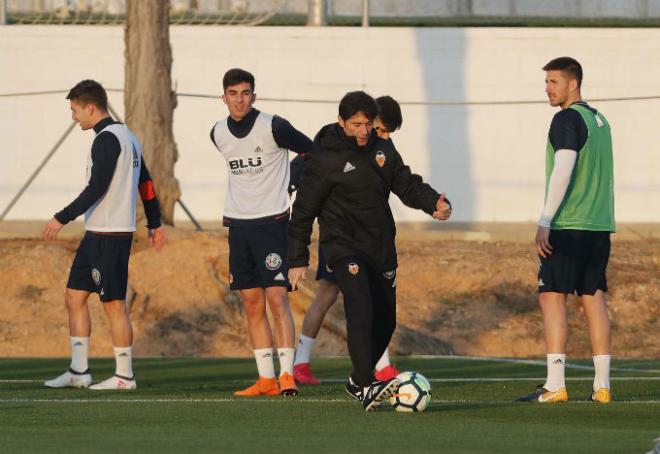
{"x":323,"y":271}
{"x":101,"y":265}
{"x":257,"y":256}
{"x":578,"y":262}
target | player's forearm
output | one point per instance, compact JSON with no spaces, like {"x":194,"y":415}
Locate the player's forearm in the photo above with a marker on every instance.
{"x":148,"y":196}
{"x":414,"y":193}
{"x":558,"y":183}
{"x":152,"y":212}
{"x":98,"y":185}
{"x":300,"y":233}
{"x":296,"y":173}
{"x":82,"y":203}
{"x":104,"y":154}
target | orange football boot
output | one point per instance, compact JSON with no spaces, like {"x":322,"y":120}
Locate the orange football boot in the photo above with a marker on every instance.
{"x":263,"y":387}
{"x":288,"y":385}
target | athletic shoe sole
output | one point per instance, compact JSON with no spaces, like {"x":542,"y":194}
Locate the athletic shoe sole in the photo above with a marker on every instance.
{"x":384,"y":394}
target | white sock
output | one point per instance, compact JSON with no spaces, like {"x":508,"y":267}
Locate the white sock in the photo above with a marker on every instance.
{"x":79,"y":353}
{"x":124,"y":361}
{"x":265,"y":365}
{"x":602,"y":374}
{"x":556,"y":363}
{"x":384,"y":361}
{"x":304,"y":350}
{"x":286,"y":360}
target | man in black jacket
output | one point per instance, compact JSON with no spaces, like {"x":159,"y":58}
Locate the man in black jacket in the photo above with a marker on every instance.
{"x":346,"y":182}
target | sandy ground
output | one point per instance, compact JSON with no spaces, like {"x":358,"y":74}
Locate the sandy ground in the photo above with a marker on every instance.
{"x":469,"y":293}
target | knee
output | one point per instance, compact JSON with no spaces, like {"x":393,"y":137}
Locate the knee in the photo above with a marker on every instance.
{"x":254,"y":307}
{"x":115,"y":308}
{"x":327,"y":295}
{"x":72,"y":301}
{"x":279,"y":306}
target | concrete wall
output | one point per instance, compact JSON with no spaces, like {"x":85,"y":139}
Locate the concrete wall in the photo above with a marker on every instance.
{"x":488,"y":158}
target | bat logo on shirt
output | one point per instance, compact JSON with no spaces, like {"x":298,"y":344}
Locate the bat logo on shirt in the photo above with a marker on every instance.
{"x":380,"y":158}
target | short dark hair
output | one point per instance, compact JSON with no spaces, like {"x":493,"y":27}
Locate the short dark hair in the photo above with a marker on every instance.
{"x":89,"y":91}
{"x":236,"y":76}
{"x":568,"y":65}
{"x":389,"y":112}
{"x":357,"y":101}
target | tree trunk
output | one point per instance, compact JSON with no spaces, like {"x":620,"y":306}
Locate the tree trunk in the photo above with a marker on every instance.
{"x":148,"y":97}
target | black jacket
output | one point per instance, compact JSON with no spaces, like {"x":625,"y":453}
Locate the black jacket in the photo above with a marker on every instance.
{"x":347,"y":187}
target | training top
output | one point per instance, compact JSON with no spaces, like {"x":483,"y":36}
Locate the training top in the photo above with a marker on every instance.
{"x":347,"y":188}
{"x":116,"y":173}
{"x":589,"y":200}
{"x":256,"y":151}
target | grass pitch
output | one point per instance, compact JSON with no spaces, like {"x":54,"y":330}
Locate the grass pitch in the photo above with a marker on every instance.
{"x":186,"y":405}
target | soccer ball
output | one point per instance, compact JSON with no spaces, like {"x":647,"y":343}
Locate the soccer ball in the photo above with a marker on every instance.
{"x":414,"y":393}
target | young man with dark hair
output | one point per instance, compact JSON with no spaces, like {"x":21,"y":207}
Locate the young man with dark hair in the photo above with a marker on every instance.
{"x":346,"y":183}
{"x":573,"y":236}
{"x":256,"y":147}
{"x":116,"y":173}
{"x":387,"y":121}
{"x":389,"y":117}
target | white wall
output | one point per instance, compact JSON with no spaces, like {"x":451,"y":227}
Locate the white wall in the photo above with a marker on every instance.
{"x":489,"y":159}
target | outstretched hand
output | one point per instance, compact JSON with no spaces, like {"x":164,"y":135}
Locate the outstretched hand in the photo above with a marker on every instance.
{"x":157,"y":238}
{"x":442,"y":209}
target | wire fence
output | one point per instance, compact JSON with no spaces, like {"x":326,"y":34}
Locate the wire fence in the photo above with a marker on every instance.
{"x":113,"y":12}
{"x":404,"y":102}
{"x":634,"y":13}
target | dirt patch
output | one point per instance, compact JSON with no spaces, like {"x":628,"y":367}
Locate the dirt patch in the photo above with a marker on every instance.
{"x":454,"y":297}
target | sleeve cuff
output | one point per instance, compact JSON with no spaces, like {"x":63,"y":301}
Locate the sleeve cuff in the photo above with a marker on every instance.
{"x":545,"y":221}
{"x":61,"y":217}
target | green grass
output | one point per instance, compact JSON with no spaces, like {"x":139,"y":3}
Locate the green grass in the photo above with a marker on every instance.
{"x":186,"y":405}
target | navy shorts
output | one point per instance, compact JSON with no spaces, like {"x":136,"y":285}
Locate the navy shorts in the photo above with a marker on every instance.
{"x":257,"y":256}
{"x":578,"y":262}
{"x":323,"y":271}
{"x":101,"y":265}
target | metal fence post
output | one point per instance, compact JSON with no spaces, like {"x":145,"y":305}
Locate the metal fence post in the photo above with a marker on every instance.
{"x":365,"y":13}
{"x":318,"y":13}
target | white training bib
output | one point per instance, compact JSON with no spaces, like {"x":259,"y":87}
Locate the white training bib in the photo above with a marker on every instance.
{"x":115,"y":210}
{"x":258,"y":170}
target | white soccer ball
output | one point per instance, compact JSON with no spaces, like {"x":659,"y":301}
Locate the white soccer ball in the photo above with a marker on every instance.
{"x":414,"y":393}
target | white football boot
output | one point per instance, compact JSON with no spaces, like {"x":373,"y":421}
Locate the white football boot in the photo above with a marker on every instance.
{"x":115,"y":382}
{"x":70,"y":379}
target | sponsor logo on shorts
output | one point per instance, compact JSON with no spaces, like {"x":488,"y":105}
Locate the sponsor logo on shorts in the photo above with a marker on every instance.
{"x":348,"y":167}
{"x":231,"y":278}
{"x":541,"y":284}
{"x":380,"y":158}
{"x":328,"y":269}
{"x":273,"y":261}
{"x":394,"y":283}
{"x":96,"y":276}
{"x":353,"y":268}
{"x":279,"y":277}
{"x":389,"y":274}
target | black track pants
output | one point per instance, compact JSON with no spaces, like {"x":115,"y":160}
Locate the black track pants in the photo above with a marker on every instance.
{"x":370,"y":306}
